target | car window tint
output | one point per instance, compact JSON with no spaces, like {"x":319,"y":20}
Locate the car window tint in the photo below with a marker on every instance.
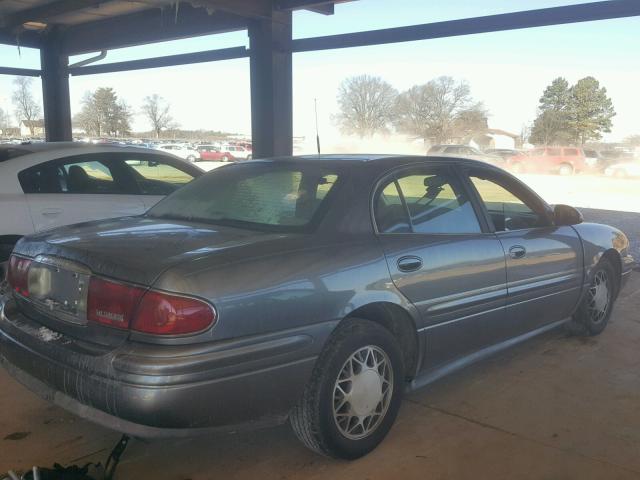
{"x":390,"y":212}
{"x":437,"y":203}
{"x":47,"y":178}
{"x":507,"y":210}
{"x":553,"y":152}
{"x":157,"y":177}
{"x":89,"y":177}
{"x":572,"y":152}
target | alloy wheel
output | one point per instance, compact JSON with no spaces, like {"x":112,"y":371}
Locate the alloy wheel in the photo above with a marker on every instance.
{"x":362,"y":392}
{"x":599,"y":297}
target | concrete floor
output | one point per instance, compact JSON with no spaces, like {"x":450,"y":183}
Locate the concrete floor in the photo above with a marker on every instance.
{"x":552,"y":408}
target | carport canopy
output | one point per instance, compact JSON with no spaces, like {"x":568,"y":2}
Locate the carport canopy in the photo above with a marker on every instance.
{"x":62,"y":28}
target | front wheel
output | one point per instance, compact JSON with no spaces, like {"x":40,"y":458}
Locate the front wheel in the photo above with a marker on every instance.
{"x":354,"y":393}
{"x":592,"y":316}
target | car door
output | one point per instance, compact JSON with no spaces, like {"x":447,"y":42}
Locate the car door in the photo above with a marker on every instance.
{"x":544,"y":261}
{"x":157,"y":176}
{"x":442,"y":258}
{"x":77,"y":189}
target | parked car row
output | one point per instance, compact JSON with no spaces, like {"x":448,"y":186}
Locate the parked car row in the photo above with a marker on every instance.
{"x":554,"y":160}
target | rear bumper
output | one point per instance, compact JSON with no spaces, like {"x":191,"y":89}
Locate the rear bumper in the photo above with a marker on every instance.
{"x":159,"y":391}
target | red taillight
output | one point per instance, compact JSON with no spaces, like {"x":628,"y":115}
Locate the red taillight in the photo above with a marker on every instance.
{"x":19,"y":275}
{"x":162,"y":313}
{"x":112,"y":303}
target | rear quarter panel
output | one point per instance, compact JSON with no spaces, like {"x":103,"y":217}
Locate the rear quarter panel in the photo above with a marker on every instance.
{"x":296,"y":287}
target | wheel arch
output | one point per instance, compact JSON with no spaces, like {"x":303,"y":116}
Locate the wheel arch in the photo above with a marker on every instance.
{"x":401,"y":324}
{"x":613,"y":256}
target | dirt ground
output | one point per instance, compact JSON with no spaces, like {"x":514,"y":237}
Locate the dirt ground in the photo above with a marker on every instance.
{"x":552,"y":408}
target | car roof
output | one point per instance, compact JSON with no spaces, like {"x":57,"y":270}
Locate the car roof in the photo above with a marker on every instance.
{"x":42,"y":146}
{"x":10,"y":152}
{"x":380,"y":160}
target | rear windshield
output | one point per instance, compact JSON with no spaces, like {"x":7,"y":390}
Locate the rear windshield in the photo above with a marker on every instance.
{"x":284,"y":197}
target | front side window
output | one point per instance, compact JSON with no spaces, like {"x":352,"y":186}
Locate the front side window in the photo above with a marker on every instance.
{"x":508,"y":208}
{"x":156,"y":177}
{"x":425,"y":200}
{"x":259,"y":196}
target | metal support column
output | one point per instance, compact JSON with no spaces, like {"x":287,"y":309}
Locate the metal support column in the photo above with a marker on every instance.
{"x":271,"y":85}
{"x":55,"y":90}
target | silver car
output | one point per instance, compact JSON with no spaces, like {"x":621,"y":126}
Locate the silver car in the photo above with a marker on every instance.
{"x":315,"y":289}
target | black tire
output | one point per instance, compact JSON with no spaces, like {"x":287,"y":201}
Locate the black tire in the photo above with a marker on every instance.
{"x":312,"y":419}
{"x":586,"y":321}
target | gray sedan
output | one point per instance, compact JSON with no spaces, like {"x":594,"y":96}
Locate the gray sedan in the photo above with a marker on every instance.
{"x":313,"y":289}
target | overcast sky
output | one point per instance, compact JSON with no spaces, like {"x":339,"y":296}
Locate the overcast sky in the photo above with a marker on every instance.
{"x":506,"y":70}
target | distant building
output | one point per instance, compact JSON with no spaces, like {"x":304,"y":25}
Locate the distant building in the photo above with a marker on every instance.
{"x":497,"y":138}
{"x":33,"y":128}
{"x":10,"y":132}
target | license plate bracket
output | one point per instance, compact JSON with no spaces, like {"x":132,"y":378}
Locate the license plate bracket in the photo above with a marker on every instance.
{"x":59,"y":288}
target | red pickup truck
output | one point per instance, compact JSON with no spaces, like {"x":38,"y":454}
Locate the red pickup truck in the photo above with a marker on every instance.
{"x":562,"y":160}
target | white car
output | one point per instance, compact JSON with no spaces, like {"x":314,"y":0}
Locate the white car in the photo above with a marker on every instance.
{"x":47,"y":185}
{"x":232,"y":152}
{"x":182,"y":151}
{"x":623,"y":170}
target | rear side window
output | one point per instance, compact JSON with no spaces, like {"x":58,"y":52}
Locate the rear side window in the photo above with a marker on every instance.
{"x":553,"y":152}
{"x":571,"y":152}
{"x":156,"y":177}
{"x":432,"y":200}
{"x":391,"y":214}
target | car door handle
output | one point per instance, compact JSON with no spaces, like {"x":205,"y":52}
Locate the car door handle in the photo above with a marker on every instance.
{"x":409,"y":263}
{"x":517,"y":251}
{"x":51,"y":212}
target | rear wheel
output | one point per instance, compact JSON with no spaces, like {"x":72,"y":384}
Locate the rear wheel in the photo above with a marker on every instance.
{"x":566,"y":169}
{"x":592,"y":316}
{"x":354,"y":393}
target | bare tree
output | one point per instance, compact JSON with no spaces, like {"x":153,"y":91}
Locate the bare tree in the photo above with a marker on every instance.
{"x":366,"y":105}
{"x":156,"y":109}
{"x":27,"y":108}
{"x":440,"y":110}
{"x":5,"y":121}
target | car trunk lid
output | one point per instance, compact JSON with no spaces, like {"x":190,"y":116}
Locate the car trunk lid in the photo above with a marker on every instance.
{"x":134,"y":250}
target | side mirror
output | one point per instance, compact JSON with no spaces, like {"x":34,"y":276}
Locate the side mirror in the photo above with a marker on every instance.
{"x":566,"y":215}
